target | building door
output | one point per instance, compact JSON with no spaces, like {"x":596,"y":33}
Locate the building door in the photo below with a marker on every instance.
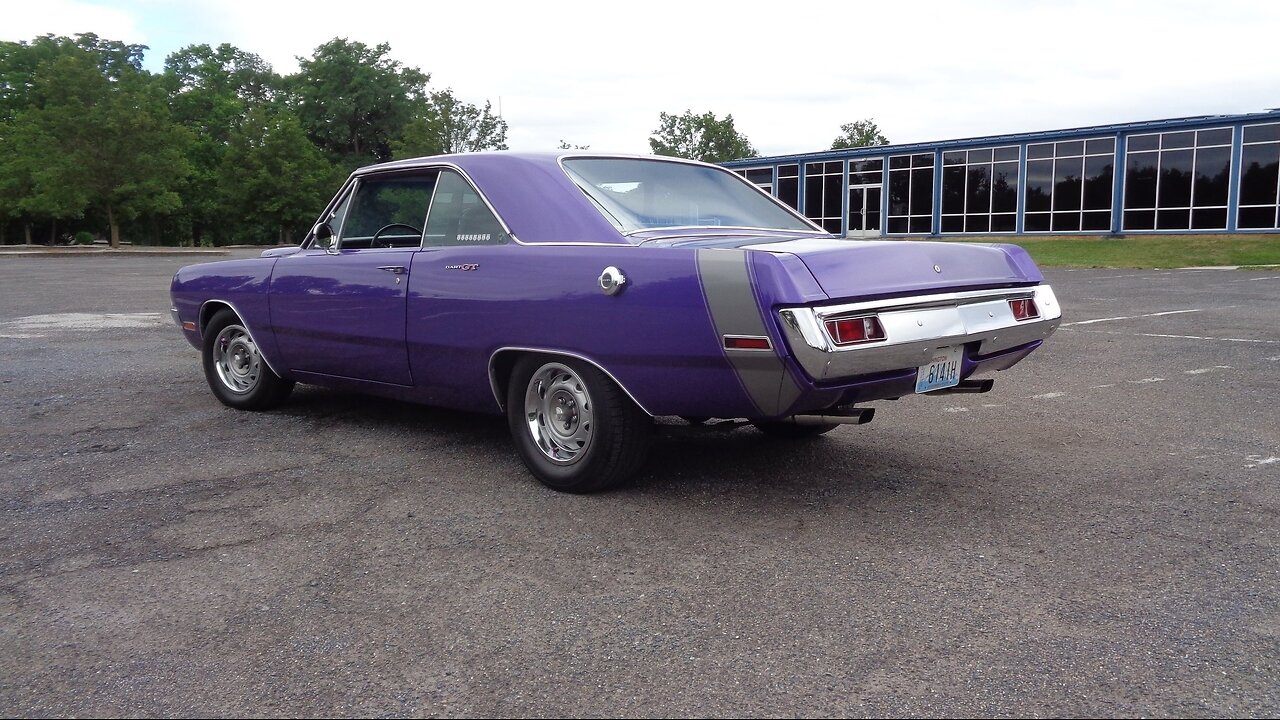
{"x":864,"y":210}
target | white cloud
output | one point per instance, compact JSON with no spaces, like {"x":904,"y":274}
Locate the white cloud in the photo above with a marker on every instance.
{"x":598,"y":73}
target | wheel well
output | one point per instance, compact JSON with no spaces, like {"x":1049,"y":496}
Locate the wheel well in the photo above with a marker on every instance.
{"x":503,"y":361}
{"x":209,"y":309}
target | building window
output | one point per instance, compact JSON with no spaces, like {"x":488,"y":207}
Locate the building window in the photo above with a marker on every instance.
{"x":1177,"y":180}
{"x":1069,"y":185}
{"x":911,"y":193}
{"x":822,"y":191}
{"x":1259,"y":178}
{"x":866,"y":180}
{"x":789,"y":185}
{"x":760,"y":177}
{"x":980,"y":190}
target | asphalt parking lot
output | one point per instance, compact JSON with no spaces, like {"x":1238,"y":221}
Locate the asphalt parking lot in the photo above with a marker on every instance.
{"x":1100,"y":535}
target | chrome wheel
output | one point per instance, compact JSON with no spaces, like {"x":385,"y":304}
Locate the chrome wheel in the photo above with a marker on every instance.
{"x":236,"y":359}
{"x":558,"y":413}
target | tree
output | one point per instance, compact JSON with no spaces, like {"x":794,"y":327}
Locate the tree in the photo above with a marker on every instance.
{"x":353,"y":100}
{"x":565,"y":145}
{"x":273,"y":179}
{"x":211,"y":90}
{"x":699,"y":137}
{"x":102,"y":141}
{"x":445,"y":124}
{"x":860,"y":133}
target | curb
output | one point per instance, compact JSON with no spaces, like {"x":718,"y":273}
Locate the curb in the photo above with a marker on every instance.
{"x":102,"y":252}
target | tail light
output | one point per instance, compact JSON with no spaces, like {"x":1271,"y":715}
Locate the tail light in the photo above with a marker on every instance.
{"x":853,"y":331}
{"x":1024,"y":309}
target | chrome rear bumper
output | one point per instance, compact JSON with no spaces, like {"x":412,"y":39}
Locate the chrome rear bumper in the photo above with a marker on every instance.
{"x":915,"y":327}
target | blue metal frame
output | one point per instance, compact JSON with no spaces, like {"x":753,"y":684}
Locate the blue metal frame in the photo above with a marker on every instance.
{"x":1120,"y":132}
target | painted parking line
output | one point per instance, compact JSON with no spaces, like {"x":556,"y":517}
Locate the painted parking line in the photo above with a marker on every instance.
{"x":1181,"y":337}
{"x":1201,"y":371}
{"x":1133,"y":317}
{"x":26,"y":326}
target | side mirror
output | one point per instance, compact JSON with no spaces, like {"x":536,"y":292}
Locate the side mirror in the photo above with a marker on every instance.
{"x":323,"y":234}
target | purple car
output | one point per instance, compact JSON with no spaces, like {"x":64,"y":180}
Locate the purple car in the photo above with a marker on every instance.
{"x":584,"y":295}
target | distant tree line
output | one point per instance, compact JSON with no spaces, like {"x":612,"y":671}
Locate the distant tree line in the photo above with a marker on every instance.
{"x":219,"y":149}
{"x":215,"y":149}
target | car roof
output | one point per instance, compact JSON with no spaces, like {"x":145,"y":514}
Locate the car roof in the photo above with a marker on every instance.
{"x":530,"y":192}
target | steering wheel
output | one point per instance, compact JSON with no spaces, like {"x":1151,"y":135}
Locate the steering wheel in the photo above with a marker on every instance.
{"x":373,"y":241}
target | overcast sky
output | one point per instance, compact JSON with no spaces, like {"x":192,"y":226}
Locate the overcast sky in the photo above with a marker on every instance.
{"x":598,"y":73}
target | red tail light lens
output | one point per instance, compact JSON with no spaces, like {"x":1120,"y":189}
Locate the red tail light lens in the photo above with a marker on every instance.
{"x":1024,"y":309}
{"x":746,"y":342}
{"x":851,"y":331}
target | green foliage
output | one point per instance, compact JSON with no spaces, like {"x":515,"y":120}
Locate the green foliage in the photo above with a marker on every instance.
{"x":1148,"y":251}
{"x":564,"y":145}
{"x":859,"y":133}
{"x":354,"y":101}
{"x":84,"y":238}
{"x":274,"y":181}
{"x":700,"y":137}
{"x":445,"y":124}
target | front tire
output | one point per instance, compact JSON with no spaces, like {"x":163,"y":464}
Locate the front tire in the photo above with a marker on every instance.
{"x":575,"y":429}
{"x":235,"y":369}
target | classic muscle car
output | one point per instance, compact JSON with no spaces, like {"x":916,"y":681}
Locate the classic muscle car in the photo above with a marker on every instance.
{"x":584,"y":295}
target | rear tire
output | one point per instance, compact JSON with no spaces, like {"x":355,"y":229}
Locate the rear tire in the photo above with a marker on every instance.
{"x":792,"y":431}
{"x":575,"y":429}
{"x":235,"y":369}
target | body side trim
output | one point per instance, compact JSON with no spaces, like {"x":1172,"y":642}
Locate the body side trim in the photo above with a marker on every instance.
{"x":240,"y":315}
{"x":493,"y":381}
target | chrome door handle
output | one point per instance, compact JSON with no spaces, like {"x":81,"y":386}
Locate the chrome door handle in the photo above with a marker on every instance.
{"x":393,"y":269}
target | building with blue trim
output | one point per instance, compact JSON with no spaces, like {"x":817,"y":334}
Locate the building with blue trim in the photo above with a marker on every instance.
{"x":1210,"y":174}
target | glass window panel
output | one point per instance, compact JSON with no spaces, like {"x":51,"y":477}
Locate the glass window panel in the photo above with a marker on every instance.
{"x":1066,"y":221}
{"x":977,"y":223}
{"x":1257,"y":217}
{"x":1261,"y":165}
{"x":1139,"y":219}
{"x":1175,"y":179}
{"x":1036,"y":222}
{"x":953,"y":190}
{"x":921,"y":225}
{"x":831,"y":192}
{"x":1096,"y":221}
{"x":835,"y":167}
{"x":1070,"y":149}
{"x":1213,"y":175}
{"x":980,"y":156}
{"x":1067,"y":184}
{"x":1100,"y":146}
{"x":900,"y":161}
{"x":813,"y":197}
{"x":1173,"y":219}
{"x":1006,"y":153}
{"x":898,"y":225}
{"x":1262,"y":133}
{"x":1004,"y":222}
{"x":789,"y":191}
{"x":400,"y":201}
{"x":866,"y":165}
{"x":1217,"y":136}
{"x":922,"y":192}
{"x":1097,"y":182}
{"x":458,"y":217}
{"x":1209,"y":219}
{"x":922,"y":160}
{"x":1140,"y":182}
{"x":1138,"y":143}
{"x":1043,"y":150}
{"x":873,"y":208}
{"x":760,"y":176}
{"x":788,"y":171}
{"x":955,"y":157}
{"x":1177,"y":140}
{"x":812,"y":168}
{"x":831,"y":225}
{"x":952,"y":223}
{"x":899,"y":193}
{"x":1004,"y":187}
{"x":1040,"y":185}
{"x":979,"y":189}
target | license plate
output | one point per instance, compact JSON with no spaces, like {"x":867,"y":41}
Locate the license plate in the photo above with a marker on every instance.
{"x":942,"y":370}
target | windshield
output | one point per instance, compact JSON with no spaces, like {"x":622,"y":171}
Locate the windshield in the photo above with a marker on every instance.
{"x":637,"y":194}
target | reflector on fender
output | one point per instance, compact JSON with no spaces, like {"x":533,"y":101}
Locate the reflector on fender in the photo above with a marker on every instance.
{"x":852,"y":331}
{"x":188,"y":325}
{"x":1024,"y":309}
{"x":746,"y":342}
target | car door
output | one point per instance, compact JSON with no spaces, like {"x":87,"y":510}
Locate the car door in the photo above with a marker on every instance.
{"x":340,"y":311}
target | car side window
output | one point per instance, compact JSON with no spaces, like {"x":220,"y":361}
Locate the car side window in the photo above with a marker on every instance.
{"x":387,"y":212}
{"x":460,"y":217}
